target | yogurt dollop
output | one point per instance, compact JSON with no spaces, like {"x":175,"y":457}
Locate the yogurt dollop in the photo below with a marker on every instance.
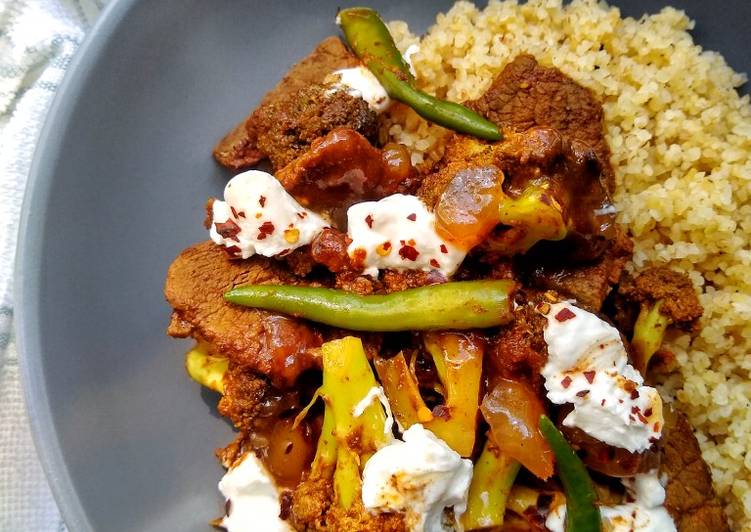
{"x":398,"y":232}
{"x":253,"y":498}
{"x":588,"y":367}
{"x":259,"y":216}
{"x":420,"y":476}
{"x":361,"y":83}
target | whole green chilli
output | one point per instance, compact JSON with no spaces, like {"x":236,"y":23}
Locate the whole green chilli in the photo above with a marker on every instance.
{"x":453,"y":305}
{"x":371,"y":41}
{"x":582,"y":514}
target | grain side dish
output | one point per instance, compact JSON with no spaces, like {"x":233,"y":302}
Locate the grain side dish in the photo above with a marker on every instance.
{"x":493,"y":278}
{"x":680,"y":141}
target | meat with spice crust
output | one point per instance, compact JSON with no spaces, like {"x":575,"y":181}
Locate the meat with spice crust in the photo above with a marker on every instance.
{"x":689,"y":496}
{"x":343,"y":168}
{"x":526,"y":94}
{"x":296,"y":112}
{"x":270,"y":344}
{"x":679,"y":300}
{"x":588,"y":282}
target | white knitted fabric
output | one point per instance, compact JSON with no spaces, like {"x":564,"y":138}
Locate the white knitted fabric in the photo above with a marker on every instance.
{"x":37,"y":41}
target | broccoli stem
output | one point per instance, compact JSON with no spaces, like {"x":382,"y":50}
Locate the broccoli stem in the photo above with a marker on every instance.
{"x":458,"y":360}
{"x":205,"y":369}
{"x":493,"y":476}
{"x":649,"y":331}
{"x":347,"y":379}
{"x":326,"y":450}
{"x":538,"y":212}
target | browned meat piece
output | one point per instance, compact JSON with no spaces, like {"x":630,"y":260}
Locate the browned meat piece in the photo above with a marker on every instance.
{"x":679,"y":300}
{"x":243,"y":395}
{"x":296,"y":112}
{"x":252,"y":403}
{"x":343,"y":168}
{"x":589,"y":282}
{"x":526,"y":94}
{"x":329,"y":249}
{"x":690,"y":498}
{"x":312,"y":510}
{"x":519,"y":351}
{"x":272,"y":345}
{"x":287,"y":128}
{"x":538,"y":184}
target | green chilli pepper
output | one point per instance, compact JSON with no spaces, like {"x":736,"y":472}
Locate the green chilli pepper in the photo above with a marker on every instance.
{"x":582,"y":515}
{"x":455,"y":305}
{"x":371,"y":41}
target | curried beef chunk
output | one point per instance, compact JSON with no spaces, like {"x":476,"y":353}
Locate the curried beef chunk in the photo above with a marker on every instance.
{"x":287,"y":128}
{"x":312,"y":510}
{"x":690,"y":498}
{"x":297,"y":111}
{"x":526,"y":94}
{"x":343,"y":168}
{"x":588,"y":282}
{"x":272,"y":345}
{"x":329,"y":249}
{"x":679,"y":300}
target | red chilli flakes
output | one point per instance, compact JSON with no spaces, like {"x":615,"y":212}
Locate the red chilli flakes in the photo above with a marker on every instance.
{"x":265,"y":229}
{"x":564,"y":315}
{"x":369,"y":221}
{"x":407,"y":252}
{"x":228,"y":229}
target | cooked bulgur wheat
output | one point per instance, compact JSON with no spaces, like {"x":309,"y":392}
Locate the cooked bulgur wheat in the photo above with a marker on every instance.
{"x":681,"y":141}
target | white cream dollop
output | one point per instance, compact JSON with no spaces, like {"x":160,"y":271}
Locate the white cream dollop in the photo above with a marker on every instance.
{"x":259,"y":216}
{"x":398,"y":232}
{"x":420,"y":476}
{"x":361,"y":83}
{"x":253,"y":498}
{"x":645,"y":514}
{"x":588,"y":367}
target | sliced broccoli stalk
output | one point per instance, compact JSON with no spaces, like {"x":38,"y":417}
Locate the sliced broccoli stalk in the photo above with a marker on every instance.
{"x":207,"y":370}
{"x":348,"y":439}
{"x":458,"y":360}
{"x":494,"y":475}
{"x":649,"y":331}
{"x":326,"y":450}
{"x":402,"y":391}
{"x":534,"y":216}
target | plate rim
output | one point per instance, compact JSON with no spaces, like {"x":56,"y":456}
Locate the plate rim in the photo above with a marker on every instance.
{"x":28,"y":265}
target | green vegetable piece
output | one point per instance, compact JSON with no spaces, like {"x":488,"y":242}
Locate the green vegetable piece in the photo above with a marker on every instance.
{"x":455,"y":305}
{"x":371,"y":41}
{"x":205,"y":369}
{"x":326,"y":450}
{"x":582,"y":515}
{"x":347,"y":379}
{"x":493,"y":476}
{"x":649,"y":331}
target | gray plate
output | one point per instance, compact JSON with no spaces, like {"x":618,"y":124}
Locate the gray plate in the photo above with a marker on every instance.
{"x":116,"y":191}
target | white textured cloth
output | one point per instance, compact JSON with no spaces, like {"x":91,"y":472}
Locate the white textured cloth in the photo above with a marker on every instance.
{"x":37,"y":41}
